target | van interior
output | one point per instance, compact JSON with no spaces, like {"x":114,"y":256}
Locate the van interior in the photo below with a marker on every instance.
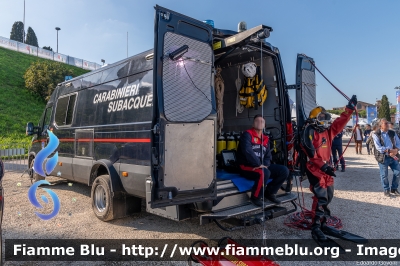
{"x":237,"y":118}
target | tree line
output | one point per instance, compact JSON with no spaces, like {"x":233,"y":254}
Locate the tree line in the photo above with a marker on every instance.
{"x":384,"y":110}
{"x":17,"y":34}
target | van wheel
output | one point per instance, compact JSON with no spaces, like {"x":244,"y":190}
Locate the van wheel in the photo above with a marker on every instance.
{"x":102,"y":199}
{"x":33,"y":175}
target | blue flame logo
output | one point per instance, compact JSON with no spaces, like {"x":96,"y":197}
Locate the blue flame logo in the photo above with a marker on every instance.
{"x":44,"y":153}
{"x":32,"y":198}
{"x":38,"y":168}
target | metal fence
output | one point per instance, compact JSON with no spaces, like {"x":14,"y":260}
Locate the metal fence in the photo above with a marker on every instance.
{"x":14,"y":156}
{"x":43,"y":53}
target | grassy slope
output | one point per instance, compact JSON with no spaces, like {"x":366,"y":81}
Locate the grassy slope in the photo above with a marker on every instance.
{"x":17,"y":105}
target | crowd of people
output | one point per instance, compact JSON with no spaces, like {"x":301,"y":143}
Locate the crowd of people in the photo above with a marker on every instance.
{"x":381,"y":140}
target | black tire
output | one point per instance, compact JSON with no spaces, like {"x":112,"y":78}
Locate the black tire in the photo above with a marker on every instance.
{"x":1,"y":222}
{"x":102,"y":201}
{"x":33,"y":175}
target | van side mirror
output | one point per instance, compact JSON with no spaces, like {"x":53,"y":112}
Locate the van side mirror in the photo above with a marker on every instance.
{"x":30,"y":129}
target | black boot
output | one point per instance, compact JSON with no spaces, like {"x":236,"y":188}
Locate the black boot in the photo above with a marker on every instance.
{"x":395,"y":192}
{"x":387,"y":193}
{"x":318,"y":235}
{"x":272,"y":197}
{"x":343,"y":167}
{"x":257,"y":201}
{"x":316,"y":231}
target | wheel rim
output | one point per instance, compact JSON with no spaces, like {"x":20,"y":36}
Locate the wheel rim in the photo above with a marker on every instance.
{"x":100,"y":198}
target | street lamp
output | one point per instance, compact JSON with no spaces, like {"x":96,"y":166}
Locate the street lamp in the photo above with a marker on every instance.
{"x":103,"y":61}
{"x":57,"y":29}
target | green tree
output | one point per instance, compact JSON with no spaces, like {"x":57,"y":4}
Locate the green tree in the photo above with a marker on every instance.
{"x":336,"y":112}
{"x":43,"y":76}
{"x":17,"y":31}
{"x":362,"y":114}
{"x":31,"y":38}
{"x":48,"y":48}
{"x":384,"y":110}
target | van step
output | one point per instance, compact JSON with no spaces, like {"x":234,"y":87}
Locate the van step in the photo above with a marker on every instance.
{"x":249,"y":207}
{"x":237,"y":223}
{"x":226,"y":188}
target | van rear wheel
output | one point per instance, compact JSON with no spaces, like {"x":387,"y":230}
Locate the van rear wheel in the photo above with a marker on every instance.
{"x":33,"y":175}
{"x":102,"y":202}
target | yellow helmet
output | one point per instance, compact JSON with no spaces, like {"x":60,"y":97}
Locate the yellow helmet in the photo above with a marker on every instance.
{"x":320,"y":116}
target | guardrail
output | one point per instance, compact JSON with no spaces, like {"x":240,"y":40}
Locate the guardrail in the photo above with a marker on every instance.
{"x":43,"y":53}
{"x":14,"y":156}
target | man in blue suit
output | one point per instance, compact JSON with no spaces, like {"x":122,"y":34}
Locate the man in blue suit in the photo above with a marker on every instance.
{"x":337,"y":148}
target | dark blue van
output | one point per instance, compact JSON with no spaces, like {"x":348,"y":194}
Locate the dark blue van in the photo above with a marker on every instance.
{"x":147,"y":127}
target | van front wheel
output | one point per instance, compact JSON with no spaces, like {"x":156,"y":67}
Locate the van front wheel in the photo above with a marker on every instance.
{"x":102,"y":202}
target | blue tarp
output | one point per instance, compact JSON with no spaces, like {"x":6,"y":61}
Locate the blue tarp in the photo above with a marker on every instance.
{"x":240,"y":182}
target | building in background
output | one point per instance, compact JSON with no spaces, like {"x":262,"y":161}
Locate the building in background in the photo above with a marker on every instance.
{"x":372,"y":113}
{"x":360,"y":106}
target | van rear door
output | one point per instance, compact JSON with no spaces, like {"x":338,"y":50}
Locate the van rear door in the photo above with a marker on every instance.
{"x":305,"y":88}
{"x":183,"y":152}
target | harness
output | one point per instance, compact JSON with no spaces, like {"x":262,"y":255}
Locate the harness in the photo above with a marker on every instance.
{"x":305,"y":150}
{"x":252,"y":89}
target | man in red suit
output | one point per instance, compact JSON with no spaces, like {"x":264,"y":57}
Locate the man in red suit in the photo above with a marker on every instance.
{"x":316,"y":142}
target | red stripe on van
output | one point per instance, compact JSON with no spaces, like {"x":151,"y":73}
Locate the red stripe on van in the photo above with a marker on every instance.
{"x":108,"y":140}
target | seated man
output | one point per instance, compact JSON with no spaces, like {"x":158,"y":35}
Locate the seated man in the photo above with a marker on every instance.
{"x":258,"y":167}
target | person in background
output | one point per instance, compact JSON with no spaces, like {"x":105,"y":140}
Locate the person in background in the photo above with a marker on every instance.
{"x":367,"y":133}
{"x":358,"y":138}
{"x":387,"y":145}
{"x":370,"y":140}
{"x":337,"y":149}
{"x":391,"y":127}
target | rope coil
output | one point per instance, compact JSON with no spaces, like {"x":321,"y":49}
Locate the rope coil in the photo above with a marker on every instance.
{"x":238,"y":83}
{"x":219,"y":91}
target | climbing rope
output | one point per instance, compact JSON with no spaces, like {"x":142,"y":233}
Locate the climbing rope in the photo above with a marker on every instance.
{"x":238,"y":83}
{"x":303,"y":219}
{"x":219,"y":91}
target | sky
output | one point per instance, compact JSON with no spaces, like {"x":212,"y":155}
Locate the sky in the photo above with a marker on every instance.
{"x":354,"y":43}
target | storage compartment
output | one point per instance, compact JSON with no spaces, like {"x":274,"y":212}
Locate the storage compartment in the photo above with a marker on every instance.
{"x":237,"y":118}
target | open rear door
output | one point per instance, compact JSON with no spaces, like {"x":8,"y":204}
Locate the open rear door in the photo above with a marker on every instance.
{"x":305,"y":88}
{"x":183,"y":151}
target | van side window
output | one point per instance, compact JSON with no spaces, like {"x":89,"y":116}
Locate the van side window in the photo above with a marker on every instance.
{"x":70,"y":111}
{"x":65,"y":110}
{"x":47,"y":117}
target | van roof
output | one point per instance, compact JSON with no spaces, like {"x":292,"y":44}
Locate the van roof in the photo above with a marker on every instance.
{"x":217,"y":33}
{"x":105,"y":67}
